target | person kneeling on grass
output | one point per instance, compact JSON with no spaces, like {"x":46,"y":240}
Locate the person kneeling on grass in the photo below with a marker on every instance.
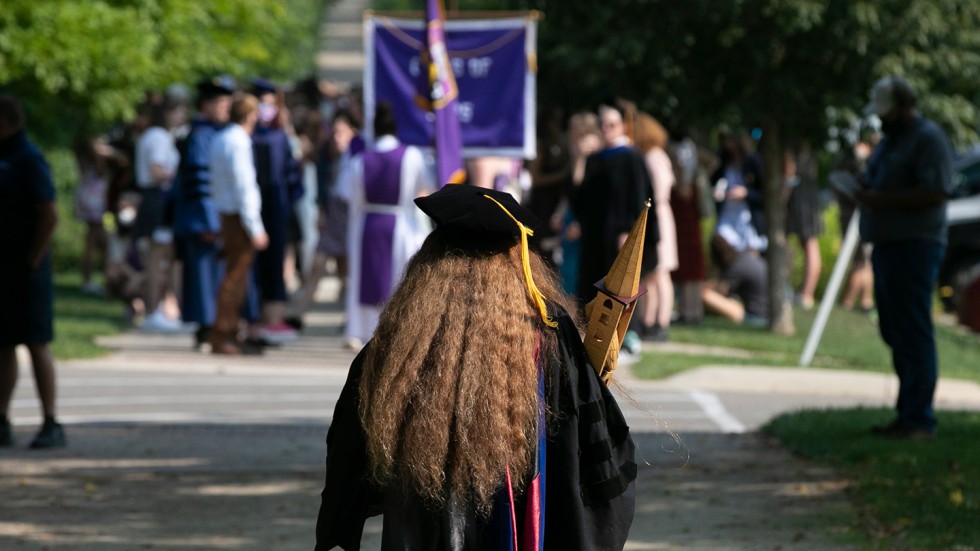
{"x":744,"y":276}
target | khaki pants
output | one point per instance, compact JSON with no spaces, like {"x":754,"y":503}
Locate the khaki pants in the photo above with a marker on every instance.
{"x":239,"y":254}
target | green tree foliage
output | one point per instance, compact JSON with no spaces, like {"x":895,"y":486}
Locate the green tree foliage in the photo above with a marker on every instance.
{"x":777,"y":65}
{"x":85,"y":63}
{"x":705,"y":62}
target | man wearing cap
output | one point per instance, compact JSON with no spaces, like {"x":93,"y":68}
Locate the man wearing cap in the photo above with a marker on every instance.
{"x":196,"y":225}
{"x":907,"y":183}
{"x":473,"y":419}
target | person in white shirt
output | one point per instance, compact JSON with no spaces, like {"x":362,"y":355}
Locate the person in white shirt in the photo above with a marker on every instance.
{"x":384,"y":228}
{"x":155,"y":164}
{"x":235,"y":193}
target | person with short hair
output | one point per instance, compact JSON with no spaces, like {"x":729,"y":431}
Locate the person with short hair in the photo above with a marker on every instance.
{"x":196,"y":224}
{"x":908,"y":180}
{"x":237,"y":200}
{"x":28,"y":217}
{"x":384,"y":230}
{"x":614,"y":188}
{"x":613,"y":193}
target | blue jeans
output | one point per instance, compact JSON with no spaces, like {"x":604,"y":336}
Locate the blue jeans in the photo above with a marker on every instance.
{"x":905,"y":274}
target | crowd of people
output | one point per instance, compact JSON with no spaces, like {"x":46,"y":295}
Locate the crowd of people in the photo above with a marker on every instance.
{"x":590,"y":181}
{"x":210,"y":207}
{"x":467,"y":396}
{"x":160,"y":197}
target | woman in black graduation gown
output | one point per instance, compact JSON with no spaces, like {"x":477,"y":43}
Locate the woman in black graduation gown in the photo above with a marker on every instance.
{"x":473,"y":419}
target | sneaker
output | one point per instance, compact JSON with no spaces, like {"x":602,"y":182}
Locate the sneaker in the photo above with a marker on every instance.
{"x":631,"y":342}
{"x":51,"y":435}
{"x":159,"y":322}
{"x":295,"y":322}
{"x":6,"y":434}
{"x":202,"y":338}
{"x":278,"y":333}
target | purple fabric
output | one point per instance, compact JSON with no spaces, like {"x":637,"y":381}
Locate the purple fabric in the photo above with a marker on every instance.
{"x":500,"y":182}
{"x":357,"y":145}
{"x":376,"y":261}
{"x":382,"y":176}
{"x":382,"y":186}
{"x":444,"y":96}
{"x":490,"y":107}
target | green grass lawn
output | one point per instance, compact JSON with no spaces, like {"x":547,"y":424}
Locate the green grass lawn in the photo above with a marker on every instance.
{"x":850,"y":341}
{"x":79,"y":318}
{"x":909,"y":495}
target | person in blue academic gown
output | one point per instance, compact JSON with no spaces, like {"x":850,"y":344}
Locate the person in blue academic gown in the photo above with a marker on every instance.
{"x":196,"y":225}
{"x":279,"y":177}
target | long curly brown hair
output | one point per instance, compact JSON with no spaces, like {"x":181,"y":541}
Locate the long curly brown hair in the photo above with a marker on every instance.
{"x":449,"y":388}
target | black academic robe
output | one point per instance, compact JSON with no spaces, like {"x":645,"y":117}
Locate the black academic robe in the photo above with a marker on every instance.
{"x":614,"y":189}
{"x":590,"y":475}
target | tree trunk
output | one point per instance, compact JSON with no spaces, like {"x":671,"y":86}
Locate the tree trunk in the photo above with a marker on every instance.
{"x":780,"y":307}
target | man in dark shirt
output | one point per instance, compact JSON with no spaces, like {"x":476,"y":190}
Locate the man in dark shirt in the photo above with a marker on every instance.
{"x":27,"y":220}
{"x":904,"y":215}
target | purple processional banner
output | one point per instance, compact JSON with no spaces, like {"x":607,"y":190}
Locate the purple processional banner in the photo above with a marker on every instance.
{"x":494,"y":62}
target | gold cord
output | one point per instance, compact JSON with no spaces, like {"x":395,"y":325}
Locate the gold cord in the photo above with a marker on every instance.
{"x":536,"y":297}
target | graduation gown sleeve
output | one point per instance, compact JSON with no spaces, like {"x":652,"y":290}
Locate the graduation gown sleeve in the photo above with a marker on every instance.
{"x":348,"y":496}
{"x":591,"y":467}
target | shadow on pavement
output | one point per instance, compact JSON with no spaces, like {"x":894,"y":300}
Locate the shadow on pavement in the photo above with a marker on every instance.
{"x":256,"y":487}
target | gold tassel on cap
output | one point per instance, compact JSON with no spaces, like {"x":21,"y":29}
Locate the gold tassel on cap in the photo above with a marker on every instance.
{"x":536,"y":297}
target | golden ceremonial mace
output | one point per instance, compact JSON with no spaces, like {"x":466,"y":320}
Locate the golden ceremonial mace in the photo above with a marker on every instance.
{"x":610,"y":311}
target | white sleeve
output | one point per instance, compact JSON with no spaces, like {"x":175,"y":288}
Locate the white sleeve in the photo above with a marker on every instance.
{"x":158,"y":145}
{"x":421,"y":183}
{"x":247,"y":188}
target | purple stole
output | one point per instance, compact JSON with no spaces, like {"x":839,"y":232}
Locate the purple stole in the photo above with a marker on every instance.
{"x":382,"y":190}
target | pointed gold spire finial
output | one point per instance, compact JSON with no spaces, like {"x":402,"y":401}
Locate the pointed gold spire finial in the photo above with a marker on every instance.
{"x":610,"y":311}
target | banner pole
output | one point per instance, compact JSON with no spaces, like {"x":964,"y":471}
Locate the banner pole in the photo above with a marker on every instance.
{"x":833,"y":288}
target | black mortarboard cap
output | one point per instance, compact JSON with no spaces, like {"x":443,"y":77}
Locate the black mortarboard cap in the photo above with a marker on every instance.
{"x":467,"y":214}
{"x":261,"y":86}
{"x":485,"y":221}
{"x":217,"y":86}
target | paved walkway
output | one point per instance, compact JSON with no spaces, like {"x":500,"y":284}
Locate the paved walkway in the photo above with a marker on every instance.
{"x":172,"y":449}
